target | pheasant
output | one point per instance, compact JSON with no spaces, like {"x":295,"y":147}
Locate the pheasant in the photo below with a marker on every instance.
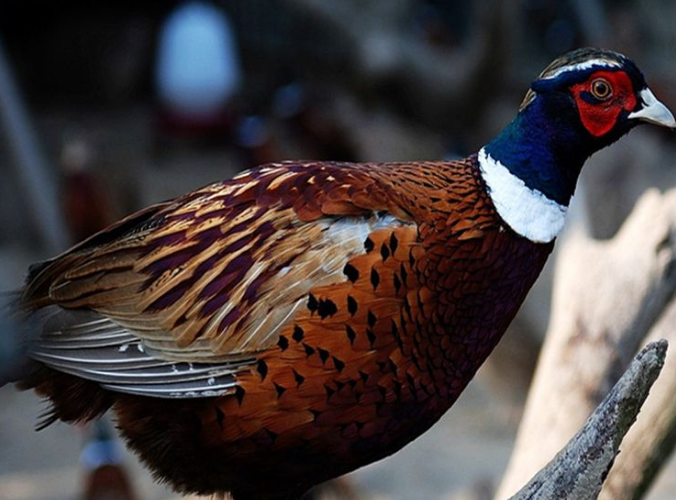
{"x":267,"y":333}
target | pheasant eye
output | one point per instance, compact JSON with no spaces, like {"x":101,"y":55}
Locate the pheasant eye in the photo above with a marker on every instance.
{"x":601,"y":89}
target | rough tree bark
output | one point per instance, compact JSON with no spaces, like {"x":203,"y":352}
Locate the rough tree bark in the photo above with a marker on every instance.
{"x":610,"y":297}
{"x":651,"y":440}
{"x":578,"y":471}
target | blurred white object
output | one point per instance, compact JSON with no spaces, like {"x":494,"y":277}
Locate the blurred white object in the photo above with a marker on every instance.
{"x":198,"y":68}
{"x":101,"y":447}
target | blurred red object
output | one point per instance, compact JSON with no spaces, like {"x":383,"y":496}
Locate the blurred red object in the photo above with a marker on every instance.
{"x":108,"y":482}
{"x":86,"y":203}
{"x":105,"y":476}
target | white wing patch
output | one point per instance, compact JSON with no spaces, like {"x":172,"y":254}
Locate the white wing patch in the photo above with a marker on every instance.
{"x":527,"y":211}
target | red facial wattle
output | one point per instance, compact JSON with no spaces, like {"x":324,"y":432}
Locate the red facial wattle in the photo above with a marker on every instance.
{"x":599,"y":117}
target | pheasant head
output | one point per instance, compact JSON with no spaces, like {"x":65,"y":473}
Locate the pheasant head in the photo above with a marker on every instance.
{"x":582,"y":102}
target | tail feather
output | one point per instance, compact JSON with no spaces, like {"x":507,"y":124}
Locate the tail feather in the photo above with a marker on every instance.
{"x":47,"y":416}
{"x":70,"y":399}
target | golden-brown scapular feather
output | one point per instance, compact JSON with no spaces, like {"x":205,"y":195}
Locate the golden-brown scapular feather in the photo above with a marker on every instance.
{"x":124,"y":279}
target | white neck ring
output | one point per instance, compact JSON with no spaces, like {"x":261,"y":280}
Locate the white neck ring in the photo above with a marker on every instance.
{"x":527,"y":211}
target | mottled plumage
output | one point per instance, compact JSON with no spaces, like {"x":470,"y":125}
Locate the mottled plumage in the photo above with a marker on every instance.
{"x":263,"y":334}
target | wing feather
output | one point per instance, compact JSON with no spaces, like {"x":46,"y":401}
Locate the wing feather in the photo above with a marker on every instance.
{"x":96,"y":348}
{"x":210,"y":278}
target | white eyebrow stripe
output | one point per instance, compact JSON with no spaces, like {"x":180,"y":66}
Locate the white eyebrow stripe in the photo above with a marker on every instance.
{"x":608,"y":63}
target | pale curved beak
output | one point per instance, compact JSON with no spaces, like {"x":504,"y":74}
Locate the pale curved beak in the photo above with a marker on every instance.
{"x":653,"y":111}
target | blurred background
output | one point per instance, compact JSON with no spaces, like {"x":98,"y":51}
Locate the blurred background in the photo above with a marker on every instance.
{"x":106,"y":107}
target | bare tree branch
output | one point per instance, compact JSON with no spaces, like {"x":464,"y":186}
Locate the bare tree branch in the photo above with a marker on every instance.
{"x":578,"y":471}
{"x":609,"y":297}
{"x":651,"y":440}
